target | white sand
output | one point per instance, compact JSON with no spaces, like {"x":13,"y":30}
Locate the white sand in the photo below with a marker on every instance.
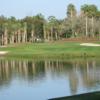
{"x":90,"y":44}
{"x":3,"y":52}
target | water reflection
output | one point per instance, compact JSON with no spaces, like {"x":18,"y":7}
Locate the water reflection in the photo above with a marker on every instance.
{"x":85,"y":73}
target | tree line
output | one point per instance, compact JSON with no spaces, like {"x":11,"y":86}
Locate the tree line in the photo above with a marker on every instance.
{"x":86,"y":23}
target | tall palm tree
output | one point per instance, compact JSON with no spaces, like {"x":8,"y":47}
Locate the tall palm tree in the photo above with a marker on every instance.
{"x":71,"y":14}
{"x":85,"y":10}
{"x":92,"y":14}
{"x":97,"y":25}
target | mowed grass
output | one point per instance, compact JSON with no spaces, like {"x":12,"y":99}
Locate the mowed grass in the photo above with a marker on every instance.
{"x":54,"y":49}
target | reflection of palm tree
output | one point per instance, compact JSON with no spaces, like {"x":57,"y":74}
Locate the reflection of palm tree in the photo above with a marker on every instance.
{"x":5,"y":73}
{"x":73,"y":79}
{"x":24,"y":69}
{"x":88,"y":74}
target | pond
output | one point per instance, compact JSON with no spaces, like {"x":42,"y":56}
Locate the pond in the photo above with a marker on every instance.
{"x":44,"y":79}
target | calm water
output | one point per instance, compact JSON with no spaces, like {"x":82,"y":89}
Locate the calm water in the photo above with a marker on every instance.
{"x":41,"y":80}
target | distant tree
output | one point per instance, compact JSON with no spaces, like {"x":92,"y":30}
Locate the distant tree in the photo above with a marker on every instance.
{"x":38,"y":26}
{"x":89,"y":12}
{"x":54,"y":27}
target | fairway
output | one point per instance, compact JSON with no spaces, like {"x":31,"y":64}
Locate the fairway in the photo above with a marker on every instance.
{"x":53,"y":49}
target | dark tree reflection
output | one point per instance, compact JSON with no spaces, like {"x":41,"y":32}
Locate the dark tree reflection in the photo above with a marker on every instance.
{"x":85,"y":72}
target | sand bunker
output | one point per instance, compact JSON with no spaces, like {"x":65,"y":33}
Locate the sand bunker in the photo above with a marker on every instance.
{"x":90,"y":44}
{"x":3,"y":52}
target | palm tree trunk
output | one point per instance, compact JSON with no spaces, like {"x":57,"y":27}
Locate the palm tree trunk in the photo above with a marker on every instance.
{"x":48,"y":36}
{"x":92,"y":23}
{"x":99,"y":34}
{"x":32,"y":36}
{"x":44,"y":33}
{"x":26,"y":40}
{"x":23,"y":37}
{"x":5,"y":37}
{"x":86,"y":26}
{"x":56,"y":35}
{"x":19,"y":36}
{"x":2,"y":41}
{"x":16,"y":36}
{"x":72,"y":23}
{"x":25,"y":33}
{"x":12,"y":39}
{"x":51,"y":33}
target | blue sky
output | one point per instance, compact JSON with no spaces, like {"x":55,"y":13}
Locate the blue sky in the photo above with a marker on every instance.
{"x":22,"y":8}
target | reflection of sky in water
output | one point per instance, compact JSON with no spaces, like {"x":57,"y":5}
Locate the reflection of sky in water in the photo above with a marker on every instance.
{"x":40,"y":80}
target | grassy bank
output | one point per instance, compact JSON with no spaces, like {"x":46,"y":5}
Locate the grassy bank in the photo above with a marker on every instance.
{"x":56,"y":49}
{"x":85,"y":96}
